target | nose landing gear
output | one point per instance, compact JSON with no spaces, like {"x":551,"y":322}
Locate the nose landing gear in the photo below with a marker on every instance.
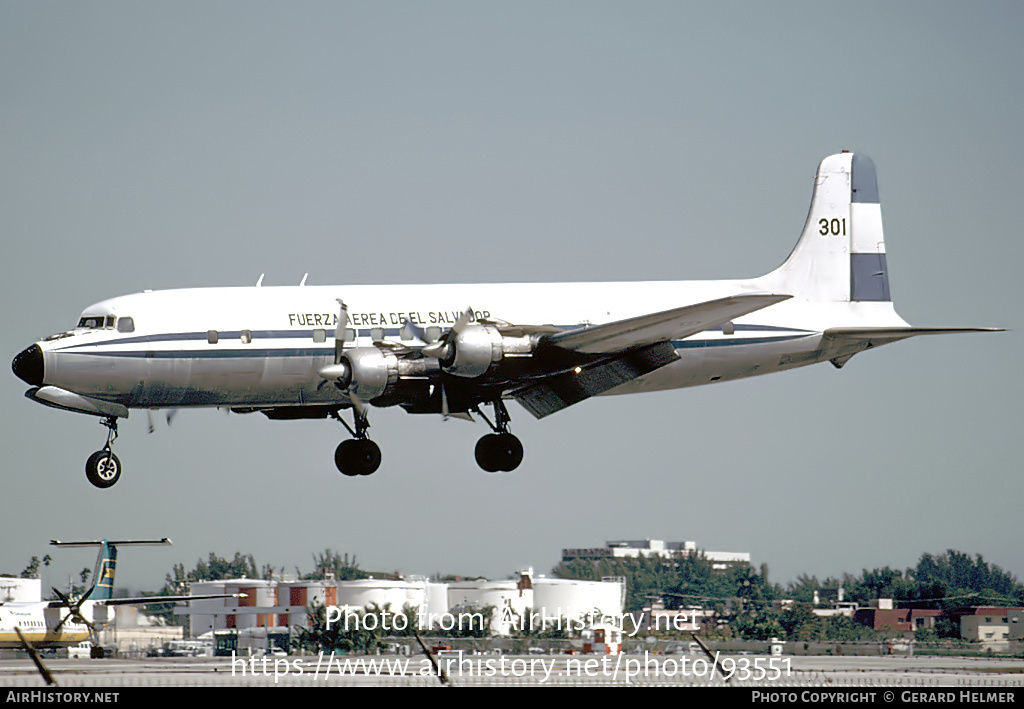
{"x":103,"y":467}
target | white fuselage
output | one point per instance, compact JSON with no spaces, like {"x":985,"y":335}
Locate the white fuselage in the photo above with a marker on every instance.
{"x":263,"y":347}
{"x":38,"y":624}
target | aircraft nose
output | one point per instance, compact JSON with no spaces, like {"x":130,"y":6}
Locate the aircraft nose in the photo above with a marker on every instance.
{"x":28,"y":365}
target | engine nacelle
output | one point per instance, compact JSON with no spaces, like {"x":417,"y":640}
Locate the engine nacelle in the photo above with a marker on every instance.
{"x":478,"y":349}
{"x":372,"y":372}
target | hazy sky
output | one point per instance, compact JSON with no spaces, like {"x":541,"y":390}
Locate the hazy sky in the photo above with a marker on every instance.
{"x":162,"y":145}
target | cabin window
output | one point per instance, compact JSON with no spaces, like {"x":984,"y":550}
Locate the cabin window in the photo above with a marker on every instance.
{"x":246,"y":336}
{"x":350,"y":334}
{"x":212,"y":337}
{"x":377,"y":334}
{"x":319,"y":335}
{"x":728,"y":328}
{"x":433,"y":334}
{"x":126,"y":324}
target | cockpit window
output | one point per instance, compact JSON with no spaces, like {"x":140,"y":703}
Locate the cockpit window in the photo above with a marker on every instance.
{"x":93,"y":321}
{"x":125,"y":324}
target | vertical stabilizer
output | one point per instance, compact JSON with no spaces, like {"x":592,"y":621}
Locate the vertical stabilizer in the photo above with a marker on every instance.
{"x":106,"y":562}
{"x":106,"y":566}
{"x":840,"y":256}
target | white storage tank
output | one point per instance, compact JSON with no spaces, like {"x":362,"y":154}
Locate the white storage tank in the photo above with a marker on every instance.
{"x":437,"y":600}
{"x":365,"y":592}
{"x":221,"y":613}
{"x":509,"y":600}
{"x":574,"y":599}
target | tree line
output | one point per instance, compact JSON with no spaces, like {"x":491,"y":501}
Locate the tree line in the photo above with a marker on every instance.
{"x":747,"y":605}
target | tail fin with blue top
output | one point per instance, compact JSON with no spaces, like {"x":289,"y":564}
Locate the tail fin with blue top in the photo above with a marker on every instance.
{"x":840,"y":258}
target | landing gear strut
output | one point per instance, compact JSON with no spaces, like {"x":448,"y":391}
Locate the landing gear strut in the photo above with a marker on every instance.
{"x":499,"y":451}
{"x":103,"y":468}
{"x":358,"y":455}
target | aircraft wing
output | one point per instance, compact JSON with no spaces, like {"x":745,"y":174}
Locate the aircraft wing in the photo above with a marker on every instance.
{"x":674,"y":324}
{"x":624,"y":350}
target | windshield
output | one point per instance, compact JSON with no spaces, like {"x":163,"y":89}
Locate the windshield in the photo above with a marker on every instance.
{"x":95,"y":321}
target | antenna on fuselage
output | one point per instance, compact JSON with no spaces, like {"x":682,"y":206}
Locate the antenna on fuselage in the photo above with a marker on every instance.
{"x":303,"y":281}
{"x":259,"y":283}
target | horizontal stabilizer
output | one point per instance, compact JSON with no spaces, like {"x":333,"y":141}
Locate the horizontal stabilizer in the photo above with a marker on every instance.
{"x":842,"y":343}
{"x":874,"y":336}
{"x":151,"y":600}
{"x":113,"y":542}
{"x":674,"y":324}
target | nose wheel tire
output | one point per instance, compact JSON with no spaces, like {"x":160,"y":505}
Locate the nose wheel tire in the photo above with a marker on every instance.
{"x":499,"y":452}
{"x":357,"y":456}
{"x":103,"y":469}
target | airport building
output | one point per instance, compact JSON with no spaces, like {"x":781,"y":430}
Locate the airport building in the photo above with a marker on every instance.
{"x":18,"y":590}
{"x":720,"y":560}
{"x":992,"y":626}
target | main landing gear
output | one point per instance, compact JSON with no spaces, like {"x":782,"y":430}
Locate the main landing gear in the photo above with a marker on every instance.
{"x":358,"y":455}
{"x":103,"y":468}
{"x":495,"y":452}
{"x":499,"y":451}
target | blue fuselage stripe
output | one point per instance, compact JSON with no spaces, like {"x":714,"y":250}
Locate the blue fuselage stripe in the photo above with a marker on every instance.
{"x":226,"y":336}
{"x":265,"y":352}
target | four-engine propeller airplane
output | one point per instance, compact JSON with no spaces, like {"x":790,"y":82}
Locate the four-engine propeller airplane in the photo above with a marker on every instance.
{"x":70,"y":621}
{"x":312,"y":352}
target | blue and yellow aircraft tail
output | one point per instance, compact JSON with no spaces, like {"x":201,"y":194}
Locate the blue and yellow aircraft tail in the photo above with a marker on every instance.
{"x":106,"y":562}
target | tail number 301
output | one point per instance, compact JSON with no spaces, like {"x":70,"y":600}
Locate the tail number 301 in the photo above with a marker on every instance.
{"x":832,"y":227}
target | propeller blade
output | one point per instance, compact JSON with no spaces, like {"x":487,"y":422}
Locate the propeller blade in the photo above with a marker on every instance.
{"x":61,"y":623}
{"x":340,"y":331}
{"x":340,"y":334}
{"x":463,"y":320}
{"x":436,"y":350}
{"x":168,"y":417}
{"x":67,"y":604}
{"x":357,"y":403}
{"x":442,"y":348}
